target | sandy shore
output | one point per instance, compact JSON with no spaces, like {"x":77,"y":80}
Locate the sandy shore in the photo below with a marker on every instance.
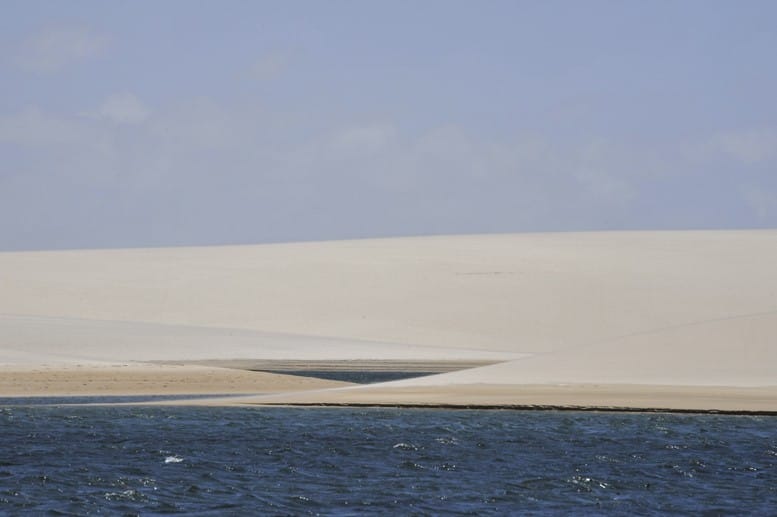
{"x":146,"y":379}
{"x":686,"y":320}
{"x":612,"y":396}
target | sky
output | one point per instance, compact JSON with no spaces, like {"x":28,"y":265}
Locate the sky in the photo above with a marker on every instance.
{"x":147,"y":123}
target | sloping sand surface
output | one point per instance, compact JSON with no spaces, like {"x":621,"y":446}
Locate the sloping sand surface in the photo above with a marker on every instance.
{"x":30,"y":339}
{"x":692,"y":311}
{"x":727,"y":352}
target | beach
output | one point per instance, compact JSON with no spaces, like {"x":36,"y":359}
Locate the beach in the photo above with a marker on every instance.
{"x":679,"y":320}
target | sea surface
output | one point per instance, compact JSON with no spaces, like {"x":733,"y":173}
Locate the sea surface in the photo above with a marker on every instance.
{"x":76,"y":460}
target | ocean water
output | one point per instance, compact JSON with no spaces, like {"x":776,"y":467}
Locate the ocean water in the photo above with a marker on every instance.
{"x":128,"y":460}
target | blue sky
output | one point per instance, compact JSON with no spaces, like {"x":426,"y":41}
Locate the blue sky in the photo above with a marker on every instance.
{"x":184,"y":123}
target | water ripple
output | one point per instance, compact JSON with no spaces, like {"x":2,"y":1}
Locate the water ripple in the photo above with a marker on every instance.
{"x":131,"y":460}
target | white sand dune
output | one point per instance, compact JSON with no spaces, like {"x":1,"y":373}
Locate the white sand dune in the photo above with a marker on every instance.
{"x":68,"y":340}
{"x":680,"y":309}
{"x":738,"y":351}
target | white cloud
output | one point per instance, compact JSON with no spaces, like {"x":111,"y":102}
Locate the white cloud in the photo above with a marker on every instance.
{"x":749,"y":146}
{"x":362,"y":140}
{"x":123,"y":108}
{"x":605,"y":171}
{"x":200,"y":138}
{"x":605,"y":185}
{"x":260,"y":176}
{"x":65,"y":146}
{"x":762,"y":202}
{"x":268,"y":67}
{"x":198,"y":123}
{"x":34,"y":128}
{"x":53,"y":49}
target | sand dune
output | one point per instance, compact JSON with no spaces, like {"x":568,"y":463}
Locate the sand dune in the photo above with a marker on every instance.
{"x":691,"y":310}
{"x":67,"y":340}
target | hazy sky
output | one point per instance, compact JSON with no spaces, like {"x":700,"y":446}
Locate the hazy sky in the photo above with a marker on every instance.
{"x":190,"y":122}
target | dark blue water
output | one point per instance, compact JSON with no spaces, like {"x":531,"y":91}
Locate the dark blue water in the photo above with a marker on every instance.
{"x":146,"y":460}
{"x":357,"y":376}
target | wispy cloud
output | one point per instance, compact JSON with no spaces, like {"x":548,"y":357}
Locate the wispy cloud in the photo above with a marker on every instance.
{"x":268,"y":67}
{"x":53,"y":49}
{"x":32,"y":127}
{"x":238,"y":173}
{"x":123,"y":108}
{"x":749,"y":146}
{"x":59,"y":147}
{"x":761,"y":201}
{"x":362,"y":140}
